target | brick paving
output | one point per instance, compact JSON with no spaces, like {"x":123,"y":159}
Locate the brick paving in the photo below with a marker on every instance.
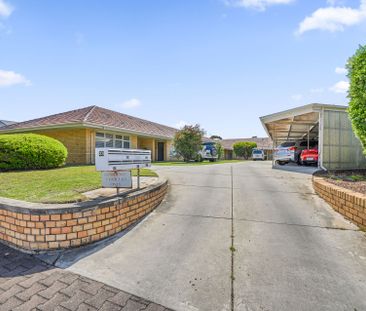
{"x":26,"y":283}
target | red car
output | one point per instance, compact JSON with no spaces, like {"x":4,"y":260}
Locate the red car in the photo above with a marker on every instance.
{"x":309,"y":156}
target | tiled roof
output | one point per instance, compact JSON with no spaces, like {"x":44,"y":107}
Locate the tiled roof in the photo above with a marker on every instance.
{"x":94,"y":115}
{"x":262,"y":142}
{"x":6,"y":123}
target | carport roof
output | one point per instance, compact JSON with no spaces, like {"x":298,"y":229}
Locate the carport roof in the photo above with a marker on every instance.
{"x":296,"y":123}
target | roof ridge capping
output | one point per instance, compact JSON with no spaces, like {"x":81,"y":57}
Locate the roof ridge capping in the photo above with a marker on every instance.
{"x":89,"y":112}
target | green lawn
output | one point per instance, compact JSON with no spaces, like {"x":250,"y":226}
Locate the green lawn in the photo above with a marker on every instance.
{"x":181,"y":163}
{"x":53,"y":186}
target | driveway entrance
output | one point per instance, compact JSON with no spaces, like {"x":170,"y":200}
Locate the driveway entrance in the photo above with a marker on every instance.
{"x":236,"y":237}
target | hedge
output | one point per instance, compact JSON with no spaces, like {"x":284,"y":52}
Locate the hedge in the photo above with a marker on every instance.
{"x":30,"y":151}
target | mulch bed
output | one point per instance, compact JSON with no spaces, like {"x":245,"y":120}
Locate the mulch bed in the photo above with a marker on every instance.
{"x":354,"y":180}
{"x":357,"y":186}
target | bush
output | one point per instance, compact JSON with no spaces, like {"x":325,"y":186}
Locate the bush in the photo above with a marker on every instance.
{"x":357,"y":93}
{"x":244,"y":149}
{"x":187,"y":141}
{"x":30,"y":151}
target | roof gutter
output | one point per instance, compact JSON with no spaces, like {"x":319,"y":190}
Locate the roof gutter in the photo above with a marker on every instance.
{"x":81,"y":125}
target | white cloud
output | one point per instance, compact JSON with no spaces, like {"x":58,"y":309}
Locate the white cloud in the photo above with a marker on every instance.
{"x":297,"y":97}
{"x":260,"y":5}
{"x":340,"y":70}
{"x":9,"y":78}
{"x":180,"y":124}
{"x":5,"y":9}
{"x":131,"y":103}
{"x":333,"y":18}
{"x":340,"y":87}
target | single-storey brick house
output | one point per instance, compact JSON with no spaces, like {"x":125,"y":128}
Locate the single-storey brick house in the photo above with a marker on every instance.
{"x":82,"y":130}
{"x":264,"y":143}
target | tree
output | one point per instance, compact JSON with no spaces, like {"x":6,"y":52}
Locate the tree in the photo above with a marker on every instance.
{"x":188,"y":141}
{"x":215,"y":137}
{"x":244,"y":149}
{"x":220,"y":151}
{"x":356,"y":66}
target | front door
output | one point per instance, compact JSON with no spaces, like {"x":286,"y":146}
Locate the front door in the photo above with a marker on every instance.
{"x":161,"y":151}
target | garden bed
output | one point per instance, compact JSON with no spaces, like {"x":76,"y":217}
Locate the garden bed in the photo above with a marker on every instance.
{"x":62,"y":185}
{"x":351,"y":180}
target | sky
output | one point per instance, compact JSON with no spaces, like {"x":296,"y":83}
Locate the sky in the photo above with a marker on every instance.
{"x":219,"y":63}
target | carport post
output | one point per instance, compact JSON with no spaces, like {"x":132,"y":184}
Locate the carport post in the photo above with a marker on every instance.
{"x":308,"y":137}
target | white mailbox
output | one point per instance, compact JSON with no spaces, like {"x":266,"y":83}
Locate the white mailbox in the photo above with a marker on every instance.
{"x":118,"y":159}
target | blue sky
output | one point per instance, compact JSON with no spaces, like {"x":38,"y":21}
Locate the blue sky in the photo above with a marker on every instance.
{"x":218,"y":63}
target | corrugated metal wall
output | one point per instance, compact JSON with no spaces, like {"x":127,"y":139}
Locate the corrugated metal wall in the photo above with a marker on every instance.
{"x":341,"y":148}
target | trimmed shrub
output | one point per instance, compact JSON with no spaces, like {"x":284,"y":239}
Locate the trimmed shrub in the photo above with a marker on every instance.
{"x":30,"y":151}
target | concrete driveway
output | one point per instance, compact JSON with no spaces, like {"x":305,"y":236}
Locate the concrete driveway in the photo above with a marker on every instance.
{"x":236,"y":237}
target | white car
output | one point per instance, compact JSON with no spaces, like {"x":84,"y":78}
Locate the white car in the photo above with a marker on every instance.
{"x":258,"y":154}
{"x":285,"y":153}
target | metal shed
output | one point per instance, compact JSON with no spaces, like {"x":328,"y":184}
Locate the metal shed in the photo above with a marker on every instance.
{"x":338,"y":146}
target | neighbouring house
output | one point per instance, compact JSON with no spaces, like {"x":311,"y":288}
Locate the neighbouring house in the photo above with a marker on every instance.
{"x":264,"y":143}
{"x":6,"y":123}
{"x":82,"y":130}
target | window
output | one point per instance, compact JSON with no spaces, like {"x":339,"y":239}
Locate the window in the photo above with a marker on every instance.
{"x":111,"y":141}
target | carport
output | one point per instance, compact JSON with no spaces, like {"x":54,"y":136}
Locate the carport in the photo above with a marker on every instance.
{"x":338,"y":146}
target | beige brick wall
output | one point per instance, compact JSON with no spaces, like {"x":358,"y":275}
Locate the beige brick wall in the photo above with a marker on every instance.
{"x":49,"y":229}
{"x":147,"y":143}
{"x":350,"y":204}
{"x":77,"y":142}
{"x":80,"y":143}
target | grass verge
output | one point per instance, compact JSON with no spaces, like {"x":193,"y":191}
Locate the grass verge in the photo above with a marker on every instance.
{"x":60,"y":185}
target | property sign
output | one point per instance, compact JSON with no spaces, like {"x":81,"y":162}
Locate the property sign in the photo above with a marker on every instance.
{"x":117,"y":179}
{"x":115,"y":159}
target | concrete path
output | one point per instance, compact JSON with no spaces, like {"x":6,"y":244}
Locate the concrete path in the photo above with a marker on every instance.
{"x":236,"y":237}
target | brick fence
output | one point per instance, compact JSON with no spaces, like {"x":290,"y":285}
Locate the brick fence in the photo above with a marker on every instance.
{"x":42,"y":227}
{"x":350,"y":204}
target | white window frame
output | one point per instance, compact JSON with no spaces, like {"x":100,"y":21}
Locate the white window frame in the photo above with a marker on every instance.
{"x":123,"y":139}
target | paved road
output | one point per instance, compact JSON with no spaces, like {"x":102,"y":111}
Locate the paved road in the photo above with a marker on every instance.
{"x":236,"y":237}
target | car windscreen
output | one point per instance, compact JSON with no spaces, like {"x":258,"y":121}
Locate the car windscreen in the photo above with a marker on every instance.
{"x":257,"y":151}
{"x":288,"y":144}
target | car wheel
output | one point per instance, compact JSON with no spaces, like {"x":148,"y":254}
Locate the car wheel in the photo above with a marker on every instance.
{"x":281,"y":162}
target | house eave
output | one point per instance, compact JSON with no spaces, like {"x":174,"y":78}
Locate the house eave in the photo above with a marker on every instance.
{"x":83,"y":125}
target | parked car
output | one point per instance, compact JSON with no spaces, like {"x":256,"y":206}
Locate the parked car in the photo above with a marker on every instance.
{"x":258,"y":154}
{"x":285,"y":153}
{"x":303,"y":145}
{"x":309,"y":156}
{"x":208,"y":152}
{"x":290,"y":151}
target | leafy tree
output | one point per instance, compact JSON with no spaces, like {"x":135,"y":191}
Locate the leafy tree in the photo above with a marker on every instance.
{"x":244,"y":149}
{"x":356,"y":66}
{"x":187,"y":141}
{"x":216,"y":137}
{"x":220,"y":150}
